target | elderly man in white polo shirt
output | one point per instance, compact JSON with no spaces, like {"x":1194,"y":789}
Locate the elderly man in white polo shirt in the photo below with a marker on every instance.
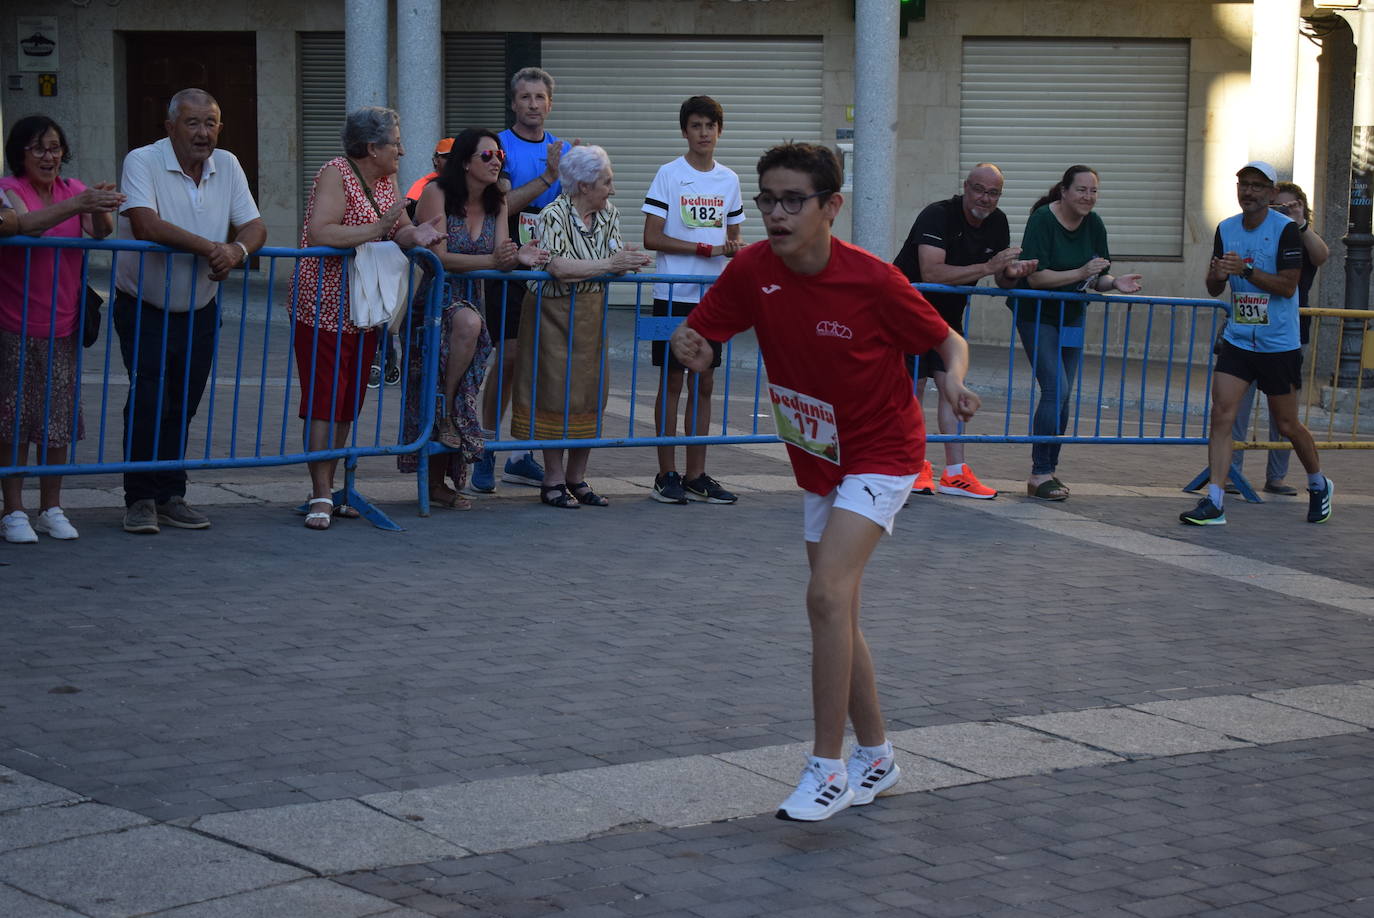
{"x":185,"y":194}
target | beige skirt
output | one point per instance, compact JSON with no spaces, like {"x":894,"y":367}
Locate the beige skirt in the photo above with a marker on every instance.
{"x":567,"y":396}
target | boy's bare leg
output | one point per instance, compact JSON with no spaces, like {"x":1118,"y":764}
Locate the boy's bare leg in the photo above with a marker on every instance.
{"x":665,"y":415}
{"x":698,"y":401}
{"x":842,"y":678}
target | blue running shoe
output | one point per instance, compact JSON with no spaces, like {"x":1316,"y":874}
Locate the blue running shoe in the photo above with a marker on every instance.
{"x":525,"y":471}
{"x":1319,"y":502}
{"x":484,"y":473}
{"x":1205,"y":513}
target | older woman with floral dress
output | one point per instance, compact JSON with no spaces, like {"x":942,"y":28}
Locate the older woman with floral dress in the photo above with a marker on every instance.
{"x":580,"y":230}
{"x":42,"y":331}
{"x":354,"y":200}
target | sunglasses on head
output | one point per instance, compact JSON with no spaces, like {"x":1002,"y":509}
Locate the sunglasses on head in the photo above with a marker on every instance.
{"x":487,"y":156}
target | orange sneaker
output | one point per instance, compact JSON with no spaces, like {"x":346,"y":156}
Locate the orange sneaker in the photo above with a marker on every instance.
{"x":965,"y":484}
{"x":925,"y":480}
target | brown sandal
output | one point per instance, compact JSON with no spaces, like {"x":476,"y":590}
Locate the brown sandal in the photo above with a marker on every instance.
{"x":450,"y":499}
{"x":1053,"y":489}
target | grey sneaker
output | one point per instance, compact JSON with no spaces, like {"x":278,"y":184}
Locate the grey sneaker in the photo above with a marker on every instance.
{"x":176,"y":512}
{"x":141,"y":517}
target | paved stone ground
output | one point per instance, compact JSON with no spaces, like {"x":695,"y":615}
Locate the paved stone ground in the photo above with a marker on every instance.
{"x":178,"y":693}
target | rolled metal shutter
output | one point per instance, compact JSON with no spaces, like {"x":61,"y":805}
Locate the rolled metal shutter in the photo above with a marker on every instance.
{"x":624,"y":94}
{"x":1035,"y":107}
{"x":323,"y":104}
{"x":474,"y":82}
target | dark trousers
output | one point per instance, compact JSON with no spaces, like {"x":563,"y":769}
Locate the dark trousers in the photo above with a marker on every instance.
{"x":154,"y":429}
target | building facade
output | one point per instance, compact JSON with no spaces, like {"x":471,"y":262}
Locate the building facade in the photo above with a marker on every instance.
{"x":1165,"y":99}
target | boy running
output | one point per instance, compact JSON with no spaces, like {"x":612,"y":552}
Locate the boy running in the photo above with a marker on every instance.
{"x":833,"y":323}
{"x":693,"y":216}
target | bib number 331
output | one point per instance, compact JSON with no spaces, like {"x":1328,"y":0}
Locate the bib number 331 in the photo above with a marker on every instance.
{"x":805,"y":422}
{"x":1251,"y":308}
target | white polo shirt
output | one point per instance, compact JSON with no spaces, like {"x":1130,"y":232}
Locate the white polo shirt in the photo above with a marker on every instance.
{"x":153,"y":178}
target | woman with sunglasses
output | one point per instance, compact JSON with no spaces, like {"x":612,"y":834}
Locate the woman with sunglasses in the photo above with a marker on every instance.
{"x":468,"y":197}
{"x":1291,"y":201}
{"x":43,"y":204}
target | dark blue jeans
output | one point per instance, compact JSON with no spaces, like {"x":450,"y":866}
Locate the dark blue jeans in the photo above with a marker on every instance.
{"x":1056,"y":371}
{"x":190,"y":350}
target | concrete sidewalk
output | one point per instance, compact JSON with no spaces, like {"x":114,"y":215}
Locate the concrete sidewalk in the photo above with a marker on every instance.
{"x":520,"y":711}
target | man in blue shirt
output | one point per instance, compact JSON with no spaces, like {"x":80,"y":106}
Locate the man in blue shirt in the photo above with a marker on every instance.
{"x":1258,"y":254}
{"x":530,"y":181}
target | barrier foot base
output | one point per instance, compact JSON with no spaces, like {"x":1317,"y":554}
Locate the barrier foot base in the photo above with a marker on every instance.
{"x":1247,"y":491}
{"x":366,"y":509}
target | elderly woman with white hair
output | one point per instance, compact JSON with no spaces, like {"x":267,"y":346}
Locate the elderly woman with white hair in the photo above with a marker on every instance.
{"x":580,"y":230}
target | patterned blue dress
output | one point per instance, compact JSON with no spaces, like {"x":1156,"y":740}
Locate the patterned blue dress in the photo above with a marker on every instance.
{"x":466,"y":411}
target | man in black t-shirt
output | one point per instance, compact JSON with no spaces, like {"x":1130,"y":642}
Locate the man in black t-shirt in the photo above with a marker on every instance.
{"x":958,"y":242}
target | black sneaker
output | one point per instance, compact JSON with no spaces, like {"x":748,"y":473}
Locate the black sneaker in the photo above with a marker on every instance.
{"x":1205,"y":513}
{"x":393,"y":374}
{"x":1319,"y":502}
{"x":668,"y":489}
{"x":706,"y":489}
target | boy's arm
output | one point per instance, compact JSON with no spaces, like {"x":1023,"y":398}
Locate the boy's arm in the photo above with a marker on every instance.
{"x":954,"y":352}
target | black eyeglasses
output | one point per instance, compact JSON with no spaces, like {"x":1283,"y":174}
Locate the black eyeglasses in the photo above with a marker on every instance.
{"x":979,"y":191}
{"x":487,"y":156}
{"x":791,"y":203}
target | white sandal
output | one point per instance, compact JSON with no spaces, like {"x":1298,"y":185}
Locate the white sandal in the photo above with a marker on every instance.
{"x":327,"y":516}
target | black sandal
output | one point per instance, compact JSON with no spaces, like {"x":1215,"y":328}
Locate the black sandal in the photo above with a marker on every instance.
{"x":585,"y":495}
{"x":558,"y":496}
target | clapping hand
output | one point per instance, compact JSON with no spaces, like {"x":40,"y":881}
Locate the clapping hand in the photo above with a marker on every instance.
{"x":100,"y":198}
{"x":629,"y":259}
{"x":531,"y":255}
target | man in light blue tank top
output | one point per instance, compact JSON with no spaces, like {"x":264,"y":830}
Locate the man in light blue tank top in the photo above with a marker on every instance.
{"x":1258,"y":255}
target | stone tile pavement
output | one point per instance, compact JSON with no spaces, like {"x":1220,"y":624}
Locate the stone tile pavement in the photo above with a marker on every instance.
{"x":520,"y":712}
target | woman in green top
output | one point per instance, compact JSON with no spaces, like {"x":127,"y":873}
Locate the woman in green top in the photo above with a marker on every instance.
{"x":1071,"y":244}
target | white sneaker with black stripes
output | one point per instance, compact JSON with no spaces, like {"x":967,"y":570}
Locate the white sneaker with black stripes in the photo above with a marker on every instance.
{"x":870,"y":775}
{"x":821,"y":793}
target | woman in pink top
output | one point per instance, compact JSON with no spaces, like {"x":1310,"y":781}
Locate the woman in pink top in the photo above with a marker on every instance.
{"x":40,"y":332}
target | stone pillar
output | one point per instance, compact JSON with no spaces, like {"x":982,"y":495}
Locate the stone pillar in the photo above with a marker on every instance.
{"x":419,"y":84}
{"x":367,"y":46}
{"x":875,"y":124}
{"x":1274,"y":82}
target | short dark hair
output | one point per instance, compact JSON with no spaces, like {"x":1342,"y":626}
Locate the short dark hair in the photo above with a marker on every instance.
{"x":816,"y":160}
{"x":24,"y":133}
{"x":453,"y":180}
{"x":705,"y":106}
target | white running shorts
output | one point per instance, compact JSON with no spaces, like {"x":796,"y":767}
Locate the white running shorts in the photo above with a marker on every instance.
{"x":875,"y":497}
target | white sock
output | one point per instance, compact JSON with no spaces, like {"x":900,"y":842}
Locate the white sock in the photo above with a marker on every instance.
{"x":877,"y":752}
{"x":1216,"y":494}
{"x":831,"y":766}
{"x":1316,"y":481}
{"x":953,"y":470}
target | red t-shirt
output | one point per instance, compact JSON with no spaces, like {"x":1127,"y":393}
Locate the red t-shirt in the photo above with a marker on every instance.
{"x":833,"y":344}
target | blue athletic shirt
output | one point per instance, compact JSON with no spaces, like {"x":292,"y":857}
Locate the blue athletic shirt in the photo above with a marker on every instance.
{"x":1261,"y":321}
{"x":524,"y":160}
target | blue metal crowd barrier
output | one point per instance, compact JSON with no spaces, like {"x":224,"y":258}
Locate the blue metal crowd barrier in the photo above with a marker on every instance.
{"x":1150,"y":359}
{"x":257,"y":431}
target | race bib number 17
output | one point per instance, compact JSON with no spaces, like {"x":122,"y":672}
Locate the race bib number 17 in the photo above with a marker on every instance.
{"x":805,"y":422}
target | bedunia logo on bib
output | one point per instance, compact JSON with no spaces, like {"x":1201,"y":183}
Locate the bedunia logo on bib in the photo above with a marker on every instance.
{"x":829,"y":329}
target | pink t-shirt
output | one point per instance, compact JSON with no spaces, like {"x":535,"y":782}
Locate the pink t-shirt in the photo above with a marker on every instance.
{"x":40,"y":263}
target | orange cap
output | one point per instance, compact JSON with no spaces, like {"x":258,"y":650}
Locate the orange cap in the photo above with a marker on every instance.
{"x":444,"y":146}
